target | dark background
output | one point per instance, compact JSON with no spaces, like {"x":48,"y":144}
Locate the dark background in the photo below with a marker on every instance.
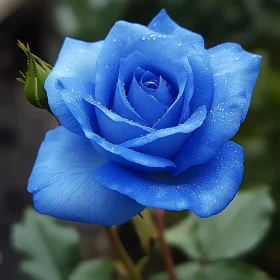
{"x":255,"y":24}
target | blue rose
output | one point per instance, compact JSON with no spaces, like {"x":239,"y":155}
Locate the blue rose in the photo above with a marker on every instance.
{"x":146,"y":116}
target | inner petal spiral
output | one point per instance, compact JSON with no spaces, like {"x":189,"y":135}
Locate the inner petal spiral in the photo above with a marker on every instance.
{"x":153,"y":85}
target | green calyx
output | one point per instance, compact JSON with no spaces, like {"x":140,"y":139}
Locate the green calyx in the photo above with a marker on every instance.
{"x":34,"y":79}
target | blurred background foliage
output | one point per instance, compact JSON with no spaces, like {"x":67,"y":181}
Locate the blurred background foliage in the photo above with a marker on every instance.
{"x":255,"y":24}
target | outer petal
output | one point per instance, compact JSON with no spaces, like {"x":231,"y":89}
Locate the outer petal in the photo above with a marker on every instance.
{"x":110,"y":151}
{"x":156,"y":46}
{"x":76,"y":58}
{"x":221,"y":124}
{"x":162,"y":23}
{"x":233,"y":69}
{"x":205,"y":189}
{"x":169,"y":141}
{"x":63,"y":186}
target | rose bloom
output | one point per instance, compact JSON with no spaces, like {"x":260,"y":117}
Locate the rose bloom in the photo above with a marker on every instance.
{"x":146,"y":121}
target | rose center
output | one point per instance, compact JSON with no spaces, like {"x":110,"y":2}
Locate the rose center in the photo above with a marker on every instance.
{"x":153,"y":84}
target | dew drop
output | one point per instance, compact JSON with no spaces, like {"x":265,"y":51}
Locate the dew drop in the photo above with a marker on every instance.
{"x":143,"y":38}
{"x":114,"y":40}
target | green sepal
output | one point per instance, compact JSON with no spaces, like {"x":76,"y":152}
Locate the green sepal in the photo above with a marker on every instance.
{"x":145,"y":229}
{"x":34,"y":79}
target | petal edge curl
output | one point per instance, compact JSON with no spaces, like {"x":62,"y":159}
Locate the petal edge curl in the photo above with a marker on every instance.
{"x":76,"y":58}
{"x":63,"y":186}
{"x":233,"y":68}
{"x":168,"y":142}
{"x":204,"y":189}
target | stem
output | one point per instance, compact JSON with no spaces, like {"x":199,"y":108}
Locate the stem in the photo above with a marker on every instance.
{"x":167,"y":256}
{"x":121,"y":252}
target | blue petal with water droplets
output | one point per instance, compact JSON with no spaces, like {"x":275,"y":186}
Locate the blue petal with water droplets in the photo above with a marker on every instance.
{"x":205,"y":189}
{"x":128,"y":157}
{"x":128,"y":67}
{"x":145,"y":105}
{"x":169,"y":141}
{"x":221,"y":124}
{"x":76,"y":58}
{"x":162,"y":23}
{"x":180,"y":78}
{"x":202,"y":79}
{"x":108,"y":62}
{"x":114,"y":128}
{"x":63,"y":185}
{"x":111,"y":152}
{"x":194,"y":43}
{"x":233,"y":69}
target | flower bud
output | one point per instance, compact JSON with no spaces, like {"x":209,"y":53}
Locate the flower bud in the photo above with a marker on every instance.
{"x":34,"y":79}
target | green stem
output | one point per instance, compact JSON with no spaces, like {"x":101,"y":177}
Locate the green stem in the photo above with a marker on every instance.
{"x":121,"y":253}
{"x":166,"y":252}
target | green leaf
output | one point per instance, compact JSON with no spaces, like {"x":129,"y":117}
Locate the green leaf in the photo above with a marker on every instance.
{"x":88,"y":19}
{"x":93,"y":269}
{"x":50,"y":251}
{"x":239,"y":228}
{"x":220,"y":271}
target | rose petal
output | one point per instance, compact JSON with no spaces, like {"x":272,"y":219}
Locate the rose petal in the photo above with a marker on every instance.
{"x":233,"y":69}
{"x":108,"y":61}
{"x":162,"y":94}
{"x":114,"y":128}
{"x":145,"y":105}
{"x":204,"y":189}
{"x":169,"y":141}
{"x":63,"y":186}
{"x":162,"y":23}
{"x":221,"y":124}
{"x":121,"y":106}
{"x":111,"y":152}
{"x":76,"y":58}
